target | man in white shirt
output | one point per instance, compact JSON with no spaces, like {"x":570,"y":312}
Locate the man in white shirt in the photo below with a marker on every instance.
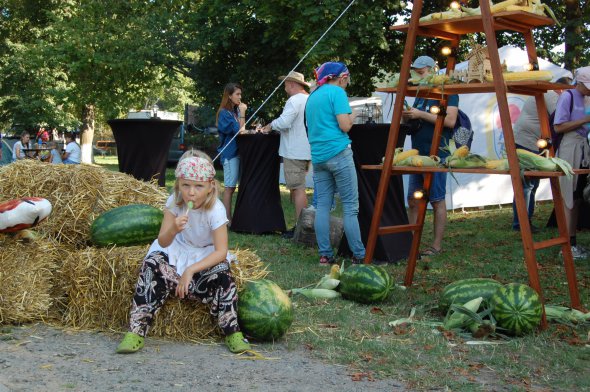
{"x":294,"y":147}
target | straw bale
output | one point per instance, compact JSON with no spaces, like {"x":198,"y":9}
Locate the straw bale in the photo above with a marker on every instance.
{"x":78,"y":194}
{"x":100,"y":285}
{"x":27,"y":276}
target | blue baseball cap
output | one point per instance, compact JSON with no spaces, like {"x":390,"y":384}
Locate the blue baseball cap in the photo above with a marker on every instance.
{"x":423,"y":61}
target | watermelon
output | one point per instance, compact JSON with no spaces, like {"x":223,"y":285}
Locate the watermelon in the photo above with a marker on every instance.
{"x":517,"y":308}
{"x":365,"y":283}
{"x":462,"y":291}
{"x":134,"y":224}
{"x":265,"y":312}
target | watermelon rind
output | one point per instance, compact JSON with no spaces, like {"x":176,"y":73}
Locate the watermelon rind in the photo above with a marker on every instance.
{"x":365,"y":283}
{"x":265,"y":312}
{"x":462,"y":291}
{"x":133,"y":224}
{"x":517,"y":308}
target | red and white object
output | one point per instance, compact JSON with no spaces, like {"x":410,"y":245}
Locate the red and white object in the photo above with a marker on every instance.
{"x":19,"y":214}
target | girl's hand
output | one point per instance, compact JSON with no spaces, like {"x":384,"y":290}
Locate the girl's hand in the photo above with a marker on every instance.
{"x":183,"y":284}
{"x":412,"y":114}
{"x":180,"y":222}
{"x":242,"y":106}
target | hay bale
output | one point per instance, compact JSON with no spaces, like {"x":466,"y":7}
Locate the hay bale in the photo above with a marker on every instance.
{"x":100,"y":285}
{"x":78,"y":194}
{"x":27,"y":276}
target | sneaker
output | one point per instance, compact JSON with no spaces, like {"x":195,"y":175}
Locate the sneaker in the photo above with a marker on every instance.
{"x":288,"y":234}
{"x":356,"y":260}
{"x":578,"y":253}
{"x":327,"y":260}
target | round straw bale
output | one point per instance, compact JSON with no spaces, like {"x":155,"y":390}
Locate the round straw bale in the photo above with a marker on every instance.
{"x":78,"y":194}
{"x":27,"y":276}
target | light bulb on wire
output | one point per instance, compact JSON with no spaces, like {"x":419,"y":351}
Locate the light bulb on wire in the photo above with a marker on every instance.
{"x":435,"y":109}
{"x":455,"y":5}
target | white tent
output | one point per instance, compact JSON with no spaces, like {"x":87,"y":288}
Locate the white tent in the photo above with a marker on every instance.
{"x":472,"y":190}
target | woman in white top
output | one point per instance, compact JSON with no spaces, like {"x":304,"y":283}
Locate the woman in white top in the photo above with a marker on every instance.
{"x":73,"y":153}
{"x":17,"y":149}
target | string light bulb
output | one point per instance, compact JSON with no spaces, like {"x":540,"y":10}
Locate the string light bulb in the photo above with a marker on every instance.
{"x":446,"y":51}
{"x":418,"y":194}
{"x":542,"y":143}
{"x":435,"y":109}
{"x":455,"y":5}
{"x":531,"y":67}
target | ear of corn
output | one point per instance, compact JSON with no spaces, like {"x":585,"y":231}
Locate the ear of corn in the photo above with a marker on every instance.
{"x":499,"y":7}
{"x":532,"y":161}
{"x":400,"y":154}
{"x":470,"y":161}
{"x":460,"y":152}
{"x":420,"y":161}
{"x":458,"y":319}
{"x":523,"y":75}
{"x":497,"y":164}
{"x":317,"y":293}
{"x":327,"y":283}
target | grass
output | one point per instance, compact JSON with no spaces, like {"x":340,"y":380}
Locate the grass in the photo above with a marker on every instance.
{"x":477,"y":244}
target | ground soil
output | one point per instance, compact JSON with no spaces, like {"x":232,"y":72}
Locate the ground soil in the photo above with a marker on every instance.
{"x":42,"y":358}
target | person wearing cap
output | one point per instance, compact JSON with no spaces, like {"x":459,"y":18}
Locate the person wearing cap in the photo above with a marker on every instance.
{"x":189,"y":259}
{"x":294,"y":146}
{"x":527,"y":131}
{"x":574,"y":148}
{"x":422,"y":141}
{"x":329,"y":118}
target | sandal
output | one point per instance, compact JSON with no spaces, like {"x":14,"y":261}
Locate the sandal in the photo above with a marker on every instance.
{"x":237,"y":343}
{"x":430,"y":251}
{"x":131,"y":343}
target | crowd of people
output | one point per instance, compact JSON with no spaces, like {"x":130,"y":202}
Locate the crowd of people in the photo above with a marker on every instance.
{"x":46,"y":148}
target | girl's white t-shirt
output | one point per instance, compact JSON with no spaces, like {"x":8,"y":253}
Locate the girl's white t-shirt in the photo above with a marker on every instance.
{"x":195,"y":242}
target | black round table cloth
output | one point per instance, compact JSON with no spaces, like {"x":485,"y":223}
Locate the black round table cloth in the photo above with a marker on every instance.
{"x":142,"y":146}
{"x":368,"y":146}
{"x":258,"y":206}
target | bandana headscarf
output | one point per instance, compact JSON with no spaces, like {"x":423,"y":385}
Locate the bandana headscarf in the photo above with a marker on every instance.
{"x":195,"y":169}
{"x":328,"y":71}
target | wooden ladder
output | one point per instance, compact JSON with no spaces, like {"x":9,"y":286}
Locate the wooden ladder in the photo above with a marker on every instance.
{"x":489,"y":24}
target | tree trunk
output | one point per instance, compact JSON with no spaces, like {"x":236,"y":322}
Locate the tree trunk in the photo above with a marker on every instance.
{"x":574,"y":46}
{"x":87,"y":133}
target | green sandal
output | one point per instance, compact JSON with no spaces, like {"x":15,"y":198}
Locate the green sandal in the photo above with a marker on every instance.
{"x":131,"y":343}
{"x":237,"y":343}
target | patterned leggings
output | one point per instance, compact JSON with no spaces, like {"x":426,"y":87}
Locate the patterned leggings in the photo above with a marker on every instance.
{"x":158,"y":279}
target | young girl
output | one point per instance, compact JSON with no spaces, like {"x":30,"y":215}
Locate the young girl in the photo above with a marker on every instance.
{"x":189,"y":259}
{"x":72,"y":154}
{"x":231,"y":119}
{"x":55,"y":155}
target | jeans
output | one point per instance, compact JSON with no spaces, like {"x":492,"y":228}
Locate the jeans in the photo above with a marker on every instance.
{"x":529,"y":186}
{"x":337,"y":174}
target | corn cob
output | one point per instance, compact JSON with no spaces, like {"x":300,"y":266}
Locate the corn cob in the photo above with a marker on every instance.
{"x":456,"y":319}
{"x":317,"y":293}
{"x":471,"y":11}
{"x":499,"y":7}
{"x":523,"y":75}
{"x":497,"y":164}
{"x":470,"y":161}
{"x":327,"y":283}
{"x":526,"y":8}
{"x":400,"y":154}
{"x":420,"y":161}
{"x":532,"y":161}
{"x":460,"y":152}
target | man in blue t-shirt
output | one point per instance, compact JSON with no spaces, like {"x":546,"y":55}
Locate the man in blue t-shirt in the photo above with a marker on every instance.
{"x":329,"y":118}
{"x":422,"y":141}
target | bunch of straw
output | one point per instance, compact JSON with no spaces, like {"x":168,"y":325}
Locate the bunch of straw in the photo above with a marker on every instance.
{"x":27,"y":276}
{"x":78,"y":194}
{"x":100,"y":284}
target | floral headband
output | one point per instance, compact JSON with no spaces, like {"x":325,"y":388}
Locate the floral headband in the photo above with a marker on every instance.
{"x":195,"y":169}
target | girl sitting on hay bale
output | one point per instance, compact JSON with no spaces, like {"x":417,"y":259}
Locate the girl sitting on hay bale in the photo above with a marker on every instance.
{"x":189,"y":258}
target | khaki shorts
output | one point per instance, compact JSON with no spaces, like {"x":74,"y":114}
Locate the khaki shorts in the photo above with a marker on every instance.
{"x":295,"y":171}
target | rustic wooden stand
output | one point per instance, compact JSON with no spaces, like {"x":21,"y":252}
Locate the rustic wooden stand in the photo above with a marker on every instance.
{"x":452,"y":30}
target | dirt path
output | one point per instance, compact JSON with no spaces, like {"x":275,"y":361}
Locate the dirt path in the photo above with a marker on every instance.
{"x":41,"y":358}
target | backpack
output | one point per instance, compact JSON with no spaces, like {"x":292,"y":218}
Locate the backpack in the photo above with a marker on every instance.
{"x":556,"y":137}
{"x":462,"y":132}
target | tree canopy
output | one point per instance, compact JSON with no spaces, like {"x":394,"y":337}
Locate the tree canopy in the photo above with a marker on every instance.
{"x":60,"y":57}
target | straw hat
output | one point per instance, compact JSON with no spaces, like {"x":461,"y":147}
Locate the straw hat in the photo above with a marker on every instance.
{"x":295,"y":77}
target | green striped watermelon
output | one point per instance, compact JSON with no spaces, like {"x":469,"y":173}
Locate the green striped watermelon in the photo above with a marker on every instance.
{"x":265,"y":312}
{"x":517,"y":308}
{"x":365,"y":283}
{"x":134,"y":224}
{"x":464,"y":290}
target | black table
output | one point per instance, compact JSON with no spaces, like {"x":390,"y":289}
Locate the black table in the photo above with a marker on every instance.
{"x":368,"y":146}
{"x":142,"y":146}
{"x":258,"y":208}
